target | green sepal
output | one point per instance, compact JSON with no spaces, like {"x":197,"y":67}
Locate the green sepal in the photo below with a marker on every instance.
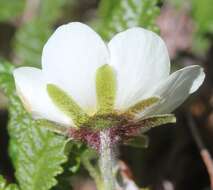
{"x":105,"y":89}
{"x":142,"y":105}
{"x":155,"y":121}
{"x":54,"y":127}
{"x":105,"y":121}
{"x":67,"y":105}
{"x":141,"y":141}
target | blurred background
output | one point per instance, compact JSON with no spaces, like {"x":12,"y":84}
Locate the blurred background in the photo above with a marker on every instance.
{"x":173,"y":159}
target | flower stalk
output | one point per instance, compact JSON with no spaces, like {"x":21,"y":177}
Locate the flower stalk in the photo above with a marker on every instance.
{"x":107,"y":161}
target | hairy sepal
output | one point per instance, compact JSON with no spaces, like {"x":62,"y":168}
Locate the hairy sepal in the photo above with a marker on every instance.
{"x":155,"y":121}
{"x":141,"y":141}
{"x":54,"y":127}
{"x":142,"y":105}
{"x":67,"y":105}
{"x":105,"y":89}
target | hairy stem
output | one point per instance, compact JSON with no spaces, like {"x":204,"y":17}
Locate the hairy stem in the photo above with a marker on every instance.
{"x":107,"y":161}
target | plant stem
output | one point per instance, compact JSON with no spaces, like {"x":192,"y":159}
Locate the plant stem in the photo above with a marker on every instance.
{"x":107,"y":161}
{"x":92,"y":171}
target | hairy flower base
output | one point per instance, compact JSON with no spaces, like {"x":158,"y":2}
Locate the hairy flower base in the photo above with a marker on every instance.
{"x":124,"y":131}
{"x":116,"y":124}
{"x":92,"y":138}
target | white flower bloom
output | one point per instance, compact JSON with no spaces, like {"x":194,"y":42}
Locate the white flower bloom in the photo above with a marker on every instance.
{"x":72,"y":56}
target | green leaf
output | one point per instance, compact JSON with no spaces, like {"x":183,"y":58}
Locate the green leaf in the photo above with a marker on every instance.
{"x":37,"y":153}
{"x":11,"y":9}
{"x":29,"y":41}
{"x":5,"y":186}
{"x":203,"y":15}
{"x":70,"y":167}
{"x":6,"y":80}
{"x":105,"y":89}
{"x":31,"y":37}
{"x":50,"y":12}
{"x":40,"y":157}
{"x":116,"y":16}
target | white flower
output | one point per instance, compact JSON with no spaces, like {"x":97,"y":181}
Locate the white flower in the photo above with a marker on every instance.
{"x":73,"y":54}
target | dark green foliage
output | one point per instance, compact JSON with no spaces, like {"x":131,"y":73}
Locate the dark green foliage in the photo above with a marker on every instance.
{"x":9,"y":9}
{"x":203,"y":16}
{"x":71,"y":166}
{"x":32,"y":35}
{"x":29,"y":41}
{"x":202,"y":13}
{"x":118,"y":15}
{"x":6,"y":81}
{"x":50,"y":12}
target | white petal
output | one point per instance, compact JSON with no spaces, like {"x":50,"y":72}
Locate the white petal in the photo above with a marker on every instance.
{"x":176,"y":88}
{"x":31,"y":89}
{"x":141,"y":60}
{"x":70,"y":59}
